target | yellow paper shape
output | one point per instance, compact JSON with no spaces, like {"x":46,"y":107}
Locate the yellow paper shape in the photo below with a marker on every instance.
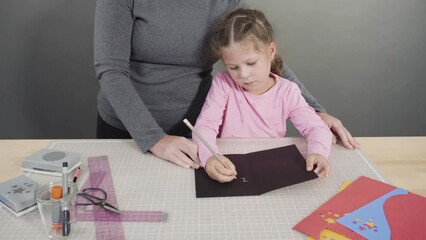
{"x":330,"y":235}
{"x":344,"y":185}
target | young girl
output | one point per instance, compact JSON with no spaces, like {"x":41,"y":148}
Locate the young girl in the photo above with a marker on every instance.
{"x":250,"y":100}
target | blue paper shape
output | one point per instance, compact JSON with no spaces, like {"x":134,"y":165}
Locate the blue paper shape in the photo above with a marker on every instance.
{"x":370,"y":220}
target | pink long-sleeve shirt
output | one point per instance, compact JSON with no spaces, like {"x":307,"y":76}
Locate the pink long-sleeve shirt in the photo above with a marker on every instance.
{"x":231,"y":112}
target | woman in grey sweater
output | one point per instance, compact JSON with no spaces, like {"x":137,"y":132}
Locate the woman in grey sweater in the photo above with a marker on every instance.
{"x":153,"y":65}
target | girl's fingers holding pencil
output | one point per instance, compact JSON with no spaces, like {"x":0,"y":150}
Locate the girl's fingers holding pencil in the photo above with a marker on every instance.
{"x":217,"y":171}
{"x":229,"y":165}
{"x":224,"y":174}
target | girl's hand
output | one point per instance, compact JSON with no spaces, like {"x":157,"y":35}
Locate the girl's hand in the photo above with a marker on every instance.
{"x":323,"y":166}
{"x":221,"y":171}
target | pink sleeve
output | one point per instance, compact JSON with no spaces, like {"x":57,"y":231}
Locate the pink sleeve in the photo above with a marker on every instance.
{"x":308,"y":123}
{"x":210,"y":118}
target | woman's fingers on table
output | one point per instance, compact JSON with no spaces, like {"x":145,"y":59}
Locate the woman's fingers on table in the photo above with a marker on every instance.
{"x":339,"y":131}
{"x":178,"y":150}
{"x":344,"y":136}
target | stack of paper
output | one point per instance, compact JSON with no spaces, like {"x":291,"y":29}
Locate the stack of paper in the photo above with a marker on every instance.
{"x":369,"y":209}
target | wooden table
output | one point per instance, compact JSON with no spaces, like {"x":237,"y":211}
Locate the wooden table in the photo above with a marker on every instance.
{"x":401,"y":159}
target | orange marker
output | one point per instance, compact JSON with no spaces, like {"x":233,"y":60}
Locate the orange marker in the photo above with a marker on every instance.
{"x":56,"y":194}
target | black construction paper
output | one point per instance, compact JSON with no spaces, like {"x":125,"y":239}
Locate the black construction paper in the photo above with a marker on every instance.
{"x":258,"y":173}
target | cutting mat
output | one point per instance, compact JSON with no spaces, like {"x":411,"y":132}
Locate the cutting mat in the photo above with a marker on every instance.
{"x":143,"y":182}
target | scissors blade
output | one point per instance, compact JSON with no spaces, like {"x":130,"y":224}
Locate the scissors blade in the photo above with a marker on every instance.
{"x":109,"y":207}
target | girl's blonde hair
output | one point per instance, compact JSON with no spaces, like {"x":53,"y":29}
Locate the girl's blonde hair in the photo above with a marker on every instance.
{"x":244,"y":24}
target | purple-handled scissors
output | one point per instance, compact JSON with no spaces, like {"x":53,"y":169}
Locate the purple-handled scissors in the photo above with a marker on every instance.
{"x":89,"y":195}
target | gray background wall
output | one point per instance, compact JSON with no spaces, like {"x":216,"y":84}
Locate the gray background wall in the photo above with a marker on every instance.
{"x":365,"y":61}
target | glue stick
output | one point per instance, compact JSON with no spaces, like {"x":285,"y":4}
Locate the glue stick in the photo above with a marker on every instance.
{"x":56,"y":208}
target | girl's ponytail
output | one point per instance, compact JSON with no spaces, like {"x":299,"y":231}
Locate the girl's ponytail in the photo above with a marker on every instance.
{"x":277,"y":65}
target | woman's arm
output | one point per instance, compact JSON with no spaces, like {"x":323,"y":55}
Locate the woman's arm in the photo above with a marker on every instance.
{"x":288,"y":74}
{"x":336,"y":126}
{"x":112,"y":47}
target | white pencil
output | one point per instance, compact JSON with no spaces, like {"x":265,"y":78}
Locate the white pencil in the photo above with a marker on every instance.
{"x":204,"y":142}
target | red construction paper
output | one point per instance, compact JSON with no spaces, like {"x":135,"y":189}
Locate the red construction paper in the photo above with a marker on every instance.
{"x":404,"y":213}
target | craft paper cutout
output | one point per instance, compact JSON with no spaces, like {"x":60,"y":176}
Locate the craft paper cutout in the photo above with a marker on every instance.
{"x":345,"y":184}
{"x":404,"y":213}
{"x":327,"y":234}
{"x":258,"y":173}
{"x":370,"y":220}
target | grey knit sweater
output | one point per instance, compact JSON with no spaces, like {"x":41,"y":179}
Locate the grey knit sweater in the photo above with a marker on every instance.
{"x":153,"y":65}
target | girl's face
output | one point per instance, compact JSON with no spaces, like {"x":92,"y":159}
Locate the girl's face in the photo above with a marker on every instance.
{"x":248,"y":67}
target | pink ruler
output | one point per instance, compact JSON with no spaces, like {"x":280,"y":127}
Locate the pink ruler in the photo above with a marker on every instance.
{"x":108,"y":224}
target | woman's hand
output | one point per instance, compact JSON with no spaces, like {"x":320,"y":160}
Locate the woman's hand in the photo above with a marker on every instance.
{"x":178,"y":150}
{"x":221,"y":171}
{"x":339,"y":131}
{"x":323,"y":166}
